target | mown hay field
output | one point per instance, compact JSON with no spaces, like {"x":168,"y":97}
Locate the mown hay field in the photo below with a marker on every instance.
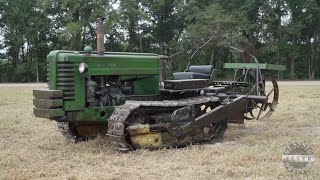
{"x":32,"y":148}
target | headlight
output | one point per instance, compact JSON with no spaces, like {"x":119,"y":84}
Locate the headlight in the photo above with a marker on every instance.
{"x":83,"y":68}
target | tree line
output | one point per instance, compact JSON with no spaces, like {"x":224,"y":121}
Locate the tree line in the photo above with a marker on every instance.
{"x":276,"y":31}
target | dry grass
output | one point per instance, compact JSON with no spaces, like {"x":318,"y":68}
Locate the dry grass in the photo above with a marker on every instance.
{"x":31,"y":148}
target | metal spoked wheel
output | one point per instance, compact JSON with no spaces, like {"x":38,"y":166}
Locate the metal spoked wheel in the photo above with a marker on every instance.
{"x":261,"y":111}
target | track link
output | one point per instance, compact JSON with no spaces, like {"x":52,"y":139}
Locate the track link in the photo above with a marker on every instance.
{"x":117,"y":122}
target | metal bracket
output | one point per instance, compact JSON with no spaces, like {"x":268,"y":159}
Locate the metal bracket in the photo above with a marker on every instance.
{"x":181,"y":117}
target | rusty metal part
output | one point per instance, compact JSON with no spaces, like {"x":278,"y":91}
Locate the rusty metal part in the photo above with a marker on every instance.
{"x":265,"y":108}
{"x":188,"y":123}
{"x":221,"y":113}
{"x":74,"y":133}
{"x":143,"y":136}
{"x":185,"y":128}
{"x":117,"y":125}
{"x":100,"y":36}
{"x":272,"y":105}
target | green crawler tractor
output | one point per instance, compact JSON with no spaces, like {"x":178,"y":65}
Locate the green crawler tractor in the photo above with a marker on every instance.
{"x":123,"y":96}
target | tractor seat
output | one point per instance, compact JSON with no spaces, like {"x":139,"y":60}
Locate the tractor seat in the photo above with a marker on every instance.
{"x":195,"y":72}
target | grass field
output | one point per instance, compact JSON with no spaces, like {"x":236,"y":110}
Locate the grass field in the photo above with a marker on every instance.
{"x":32,"y":148}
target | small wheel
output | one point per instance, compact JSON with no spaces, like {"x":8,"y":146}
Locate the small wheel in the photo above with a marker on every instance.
{"x":139,"y":116}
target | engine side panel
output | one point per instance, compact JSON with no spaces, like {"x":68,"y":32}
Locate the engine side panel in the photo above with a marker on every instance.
{"x":143,"y":70}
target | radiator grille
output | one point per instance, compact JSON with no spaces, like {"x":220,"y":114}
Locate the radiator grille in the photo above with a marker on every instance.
{"x":65,"y":80}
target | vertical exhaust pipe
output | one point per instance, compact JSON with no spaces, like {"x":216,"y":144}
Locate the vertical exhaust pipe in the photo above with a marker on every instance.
{"x":100,"y":36}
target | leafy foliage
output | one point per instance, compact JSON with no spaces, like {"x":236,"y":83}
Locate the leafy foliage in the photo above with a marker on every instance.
{"x":277,"y":31}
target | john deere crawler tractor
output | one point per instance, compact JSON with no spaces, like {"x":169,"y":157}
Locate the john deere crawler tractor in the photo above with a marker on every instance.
{"x":120,"y":95}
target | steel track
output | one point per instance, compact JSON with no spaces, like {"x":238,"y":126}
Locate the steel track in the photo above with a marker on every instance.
{"x":117,"y":121}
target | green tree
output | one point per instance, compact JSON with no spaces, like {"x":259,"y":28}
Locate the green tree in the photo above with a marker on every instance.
{"x":131,"y":18}
{"x":74,"y":21}
{"x":167,"y":19}
{"x":25,"y":30}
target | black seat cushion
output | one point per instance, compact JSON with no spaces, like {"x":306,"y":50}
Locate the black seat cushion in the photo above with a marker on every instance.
{"x":203,"y":69}
{"x":190,"y":75}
